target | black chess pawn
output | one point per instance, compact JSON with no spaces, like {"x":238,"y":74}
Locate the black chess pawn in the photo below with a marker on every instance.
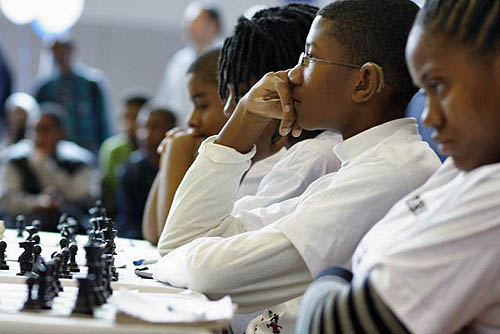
{"x":3,"y":263}
{"x":57,"y":261}
{"x":26,"y":258}
{"x":37,"y":224}
{"x":65,"y":273}
{"x":73,"y":266}
{"x":20,"y":224}
{"x":30,"y":303}
{"x":63,"y":242}
{"x":85,"y":302}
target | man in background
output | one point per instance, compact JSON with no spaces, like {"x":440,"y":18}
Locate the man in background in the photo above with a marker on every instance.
{"x":78,"y":89}
{"x":203,"y":27}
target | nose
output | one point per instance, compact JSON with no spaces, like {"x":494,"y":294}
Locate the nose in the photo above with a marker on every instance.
{"x":194,"y":119}
{"x":433,"y":115}
{"x":295,"y":75}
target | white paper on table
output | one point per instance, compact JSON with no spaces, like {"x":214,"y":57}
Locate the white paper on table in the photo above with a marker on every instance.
{"x":173,"y":308}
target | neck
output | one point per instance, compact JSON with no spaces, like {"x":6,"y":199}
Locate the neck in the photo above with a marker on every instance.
{"x":370,"y":119}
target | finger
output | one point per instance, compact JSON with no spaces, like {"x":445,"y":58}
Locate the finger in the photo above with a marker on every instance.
{"x":172,"y":132}
{"x":296,"y":130}
{"x":284,"y":90}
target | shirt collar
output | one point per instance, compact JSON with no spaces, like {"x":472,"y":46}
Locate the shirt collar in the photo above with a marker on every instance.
{"x":352,"y":147}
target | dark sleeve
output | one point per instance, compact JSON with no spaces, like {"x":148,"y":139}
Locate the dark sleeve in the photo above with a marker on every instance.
{"x":128,"y":218}
{"x":333,"y":305}
{"x":101,"y":110}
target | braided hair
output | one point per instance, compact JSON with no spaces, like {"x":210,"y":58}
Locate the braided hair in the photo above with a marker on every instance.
{"x":475,"y":22}
{"x":271,"y":40}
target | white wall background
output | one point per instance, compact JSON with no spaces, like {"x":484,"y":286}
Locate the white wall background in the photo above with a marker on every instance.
{"x":130,"y":40}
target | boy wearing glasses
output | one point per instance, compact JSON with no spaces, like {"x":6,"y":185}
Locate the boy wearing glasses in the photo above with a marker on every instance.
{"x":352,"y":78}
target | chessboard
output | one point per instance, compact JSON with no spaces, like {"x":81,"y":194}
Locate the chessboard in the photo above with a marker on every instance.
{"x":63,"y":282}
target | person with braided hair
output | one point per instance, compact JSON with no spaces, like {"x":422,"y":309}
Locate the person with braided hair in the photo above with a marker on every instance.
{"x":431,"y":265}
{"x":284,"y":166}
{"x":352,"y":78}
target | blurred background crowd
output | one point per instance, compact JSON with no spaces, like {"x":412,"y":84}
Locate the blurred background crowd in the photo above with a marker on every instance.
{"x":88,"y":90}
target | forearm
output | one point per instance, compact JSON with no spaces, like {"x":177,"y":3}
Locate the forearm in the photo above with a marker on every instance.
{"x":150,"y":222}
{"x":258,"y":269}
{"x":205,"y":197}
{"x":174,"y":165}
{"x":332,"y":304}
{"x":242,"y":122}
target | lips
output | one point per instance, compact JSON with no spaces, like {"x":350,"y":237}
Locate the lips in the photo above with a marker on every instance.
{"x":444,"y":145}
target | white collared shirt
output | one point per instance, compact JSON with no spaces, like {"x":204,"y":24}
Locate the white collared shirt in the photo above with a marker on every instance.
{"x":210,"y":250}
{"x":288,"y":173}
{"x":435,"y":257}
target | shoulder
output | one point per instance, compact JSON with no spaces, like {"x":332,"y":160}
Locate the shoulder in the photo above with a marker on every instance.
{"x":72,"y":153}
{"x":18,"y":151}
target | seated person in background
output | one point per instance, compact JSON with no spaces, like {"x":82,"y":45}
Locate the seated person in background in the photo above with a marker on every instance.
{"x":284,"y":174}
{"x":45,"y":175}
{"x":116,"y":150}
{"x":352,"y":78}
{"x":432,"y":264}
{"x":17,"y":108}
{"x":179,"y":148}
{"x":136,"y":175}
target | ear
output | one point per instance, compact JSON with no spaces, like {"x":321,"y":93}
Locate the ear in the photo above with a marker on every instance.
{"x":370,"y":82}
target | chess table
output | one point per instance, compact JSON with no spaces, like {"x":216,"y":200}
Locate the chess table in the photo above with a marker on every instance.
{"x":13,"y":293}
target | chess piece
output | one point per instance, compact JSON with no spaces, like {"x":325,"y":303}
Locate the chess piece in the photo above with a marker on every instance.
{"x":3,"y":263}
{"x":109,"y":233}
{"x":57,"y":260}
{"x":73,"y":266}
{"x":26,"y":258}
{"x":44,"y":296}
{"x":37,"y":224}
{"x":63,"y":242}
{"x":31,"y":231}
{"x":65,"y":273}
{"x":93,"y":255}
{"x":37,"y":250}
{"x":85,"y":301}
{"x":20,"y":224}
{"x":30,"y":303}
{"x":36,"y":239}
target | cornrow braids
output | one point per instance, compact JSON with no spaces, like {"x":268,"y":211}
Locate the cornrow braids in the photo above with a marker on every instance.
{"x":475,"y":22}
{"x":270,"y":41}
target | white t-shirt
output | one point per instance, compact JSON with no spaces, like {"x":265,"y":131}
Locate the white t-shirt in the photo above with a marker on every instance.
{"x":435,"y":257}
{"x":211,"y":250}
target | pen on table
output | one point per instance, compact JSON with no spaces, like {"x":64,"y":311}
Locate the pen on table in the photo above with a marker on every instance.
{"x":144,"y":262}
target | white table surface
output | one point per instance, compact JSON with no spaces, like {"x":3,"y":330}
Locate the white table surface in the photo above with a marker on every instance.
{"x":13,"y":292}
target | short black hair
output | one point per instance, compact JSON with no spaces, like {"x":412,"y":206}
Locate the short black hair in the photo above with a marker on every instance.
{"x":206,"y":66}
{"x":270,"y":41}
{"x":476,"y":23}
{"x":149,"y":108}
{"x":376,"y":31}
{"x":136,"y":99}
{"x":213,"y":13}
